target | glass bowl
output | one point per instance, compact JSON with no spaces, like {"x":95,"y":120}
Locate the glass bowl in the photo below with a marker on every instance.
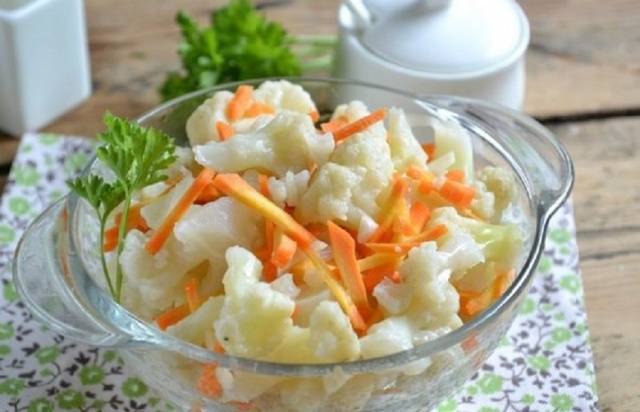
{"x":56,"y":263}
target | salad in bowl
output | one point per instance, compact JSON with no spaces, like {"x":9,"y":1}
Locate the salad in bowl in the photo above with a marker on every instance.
{"x":286,"y":256}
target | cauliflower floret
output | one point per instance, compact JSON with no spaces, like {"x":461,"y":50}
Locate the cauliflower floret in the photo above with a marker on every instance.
{"x":242,"y":386}
{"x":284,"y":284}
{"x":425,"y":271}
{"x":405,"y":148}
{"x":201,"y":125}
{"x":463,"y":252}
{"x":289,"y":189}
{"x":254,"y":318}
{"x":155,"y":212}
{"x":306,"y":303}
{"x":501,"y":183}
{"x":193,"y":327}
{"x":295,"y":348}
{"x":483,"y":204}
{"x":332,"y":338}
{"x":289,"y":142}
{"x":393,"y":297}
{"x":207,"y":231}
{"x":331,"y":195}
{"x":152,"y":282}
{"x":451,"y":137}
{"x":302,"y":394}
{"x":394,"y":334}
{"x":355,"y":110}
{"x":285,"y":95}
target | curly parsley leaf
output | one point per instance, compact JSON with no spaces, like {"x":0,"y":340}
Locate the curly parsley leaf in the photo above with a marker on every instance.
{"x":138,"y":157}
{"x":240,"y":44}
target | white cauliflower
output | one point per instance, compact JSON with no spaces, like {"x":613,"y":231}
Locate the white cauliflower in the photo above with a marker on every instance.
{"x":207,"y":231}
{"x":393,"y":334}
{"x":332,"y":338}
{"x":284,"y":284}
{"x":501,"y":183}
{"x":405,"y":148}
{"x":152,"y":282}
{"x":463,"y":252}
{"x":284,"y":95}
{"x":289,"y":142}
{"x":254,"y":318}
{"x":355,"y":110}
{"x":483,"y":203}
{"x":201,"y":125}
{"x":306,"y":303}
{"x":302,"y":394}
{"x":193,"y":327}
{"x":451,"y":137}
{"x":295,"y":347}
{"x":331,"y":195}
{"x":289,"y":189}
{"x":242,"y":386}
{"x":393,"y":297}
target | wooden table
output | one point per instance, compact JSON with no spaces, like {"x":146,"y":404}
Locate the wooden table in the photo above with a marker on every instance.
{"x":583,"y":82}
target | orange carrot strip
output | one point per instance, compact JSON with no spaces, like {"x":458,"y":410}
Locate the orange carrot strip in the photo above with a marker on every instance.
{"x":376,"y":260}
{"x":283,"y":249}
{"x":164,"y":231}
{"x":172,"y":316}
{"x":111,"y":239}
{"x":338,"y":291}
{"x":208,"y":384}
{"x":257,"y":108}
{"x":333,"y":125}
{"x":402,"y":221}
{"x":374,"y":276}
{"x":209,"y":194}
{"x":457,"y":193}
{"x":263,"y":182}
{"x":419,"y":215}
{"x":429,"y":149}
{"x":225,"y":131}
{"x":233,"y":185}
{"x":475,"y":305}
{"x":425,"y":178}
{"x":359,"y":125}
{"x":397,"y":248}
{"x":456,"y":175}
{"x":134,"y":221}
{"x":389,"y":210}
{"x":315,"y":116}
{"x":240,"y":102}
{"x":376,"y":316}
{"x":191,"y":291}
{"x":435,"y":233}
{"x":344,"y":253}
{"x":502,"y":283}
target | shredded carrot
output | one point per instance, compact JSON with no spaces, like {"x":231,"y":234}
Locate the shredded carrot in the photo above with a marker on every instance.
{"x":240,"y":102}
{"x":315,"y":116}
{"x":257,"y":108}
{"x":283,"y":249}
{"x":476,"y":304}
{"x":338,"y":291}
{"x":233,"y":185}
{"x":225,"y":131}
{"x":344,"y":254}
{"x":376,"y":275}
{"x":134,"y":221}
{"x":208,"y":384}
{"x":390,"y":208}
{"x":434,"y":234}
{"x":402,"y":221}
{"x":172,"y":316}
{"x":398,"y":248}
{"x":457,"y":193}
{"x":333,"y":125}
{"x":456,"y":175}
{"x":376,"y":316}
{"x":111,"y":239}
{"x":429,"y":149}
{"x":424,"y":178}
{"x":419,"y":215}
{"x":155,"y":243}
{"x":359,"y":125}
{"x":502,"y":283}
{"x":208,"y":194}
{"x":263,"y":183}
{"x":375,"y":260}
{"x":191,"y":291}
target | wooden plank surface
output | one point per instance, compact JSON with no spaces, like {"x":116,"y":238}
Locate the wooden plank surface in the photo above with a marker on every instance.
{"x":584,"y":62}
{"x":606,"y":156}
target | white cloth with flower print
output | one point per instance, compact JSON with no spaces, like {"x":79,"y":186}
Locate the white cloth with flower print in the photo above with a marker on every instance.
{"x":544,"y":363}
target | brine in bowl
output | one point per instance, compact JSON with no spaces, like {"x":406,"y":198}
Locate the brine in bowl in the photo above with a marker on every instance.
{"x":310,"y":247}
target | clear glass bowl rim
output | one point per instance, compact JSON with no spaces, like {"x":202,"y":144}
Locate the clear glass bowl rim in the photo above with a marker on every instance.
{"x":166,"y":341}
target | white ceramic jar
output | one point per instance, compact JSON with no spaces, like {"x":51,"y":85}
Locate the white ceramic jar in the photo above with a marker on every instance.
{"x":44,"y":61}
{"x":471,"y":48}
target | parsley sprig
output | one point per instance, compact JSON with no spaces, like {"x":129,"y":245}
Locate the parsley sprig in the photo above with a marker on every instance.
{"x":137,"y":156}
{"x":240,"y":44}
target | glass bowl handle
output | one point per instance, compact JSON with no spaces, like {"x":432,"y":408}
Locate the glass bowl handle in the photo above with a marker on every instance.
{"x":42,"y":280}
{"x":543,"y":163}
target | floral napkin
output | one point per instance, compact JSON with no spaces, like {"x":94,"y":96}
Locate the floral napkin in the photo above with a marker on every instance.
{"x":544,"y":363}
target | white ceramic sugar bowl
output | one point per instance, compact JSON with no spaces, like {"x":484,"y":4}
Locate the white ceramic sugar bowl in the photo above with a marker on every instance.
{"x":472,"y":48}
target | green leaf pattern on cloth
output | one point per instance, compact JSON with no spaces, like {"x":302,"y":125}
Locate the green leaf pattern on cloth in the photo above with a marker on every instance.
{"x":544,"y":363}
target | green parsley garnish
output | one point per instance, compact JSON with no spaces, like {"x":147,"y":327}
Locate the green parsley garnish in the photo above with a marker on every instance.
{"x":138,"y":157}
{"x":240,"y":44}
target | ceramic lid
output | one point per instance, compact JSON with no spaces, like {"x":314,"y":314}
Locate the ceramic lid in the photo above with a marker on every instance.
{"x":445,"y":36}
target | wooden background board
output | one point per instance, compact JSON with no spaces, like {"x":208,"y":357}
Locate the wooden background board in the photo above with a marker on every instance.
{"x":583,"y":71}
